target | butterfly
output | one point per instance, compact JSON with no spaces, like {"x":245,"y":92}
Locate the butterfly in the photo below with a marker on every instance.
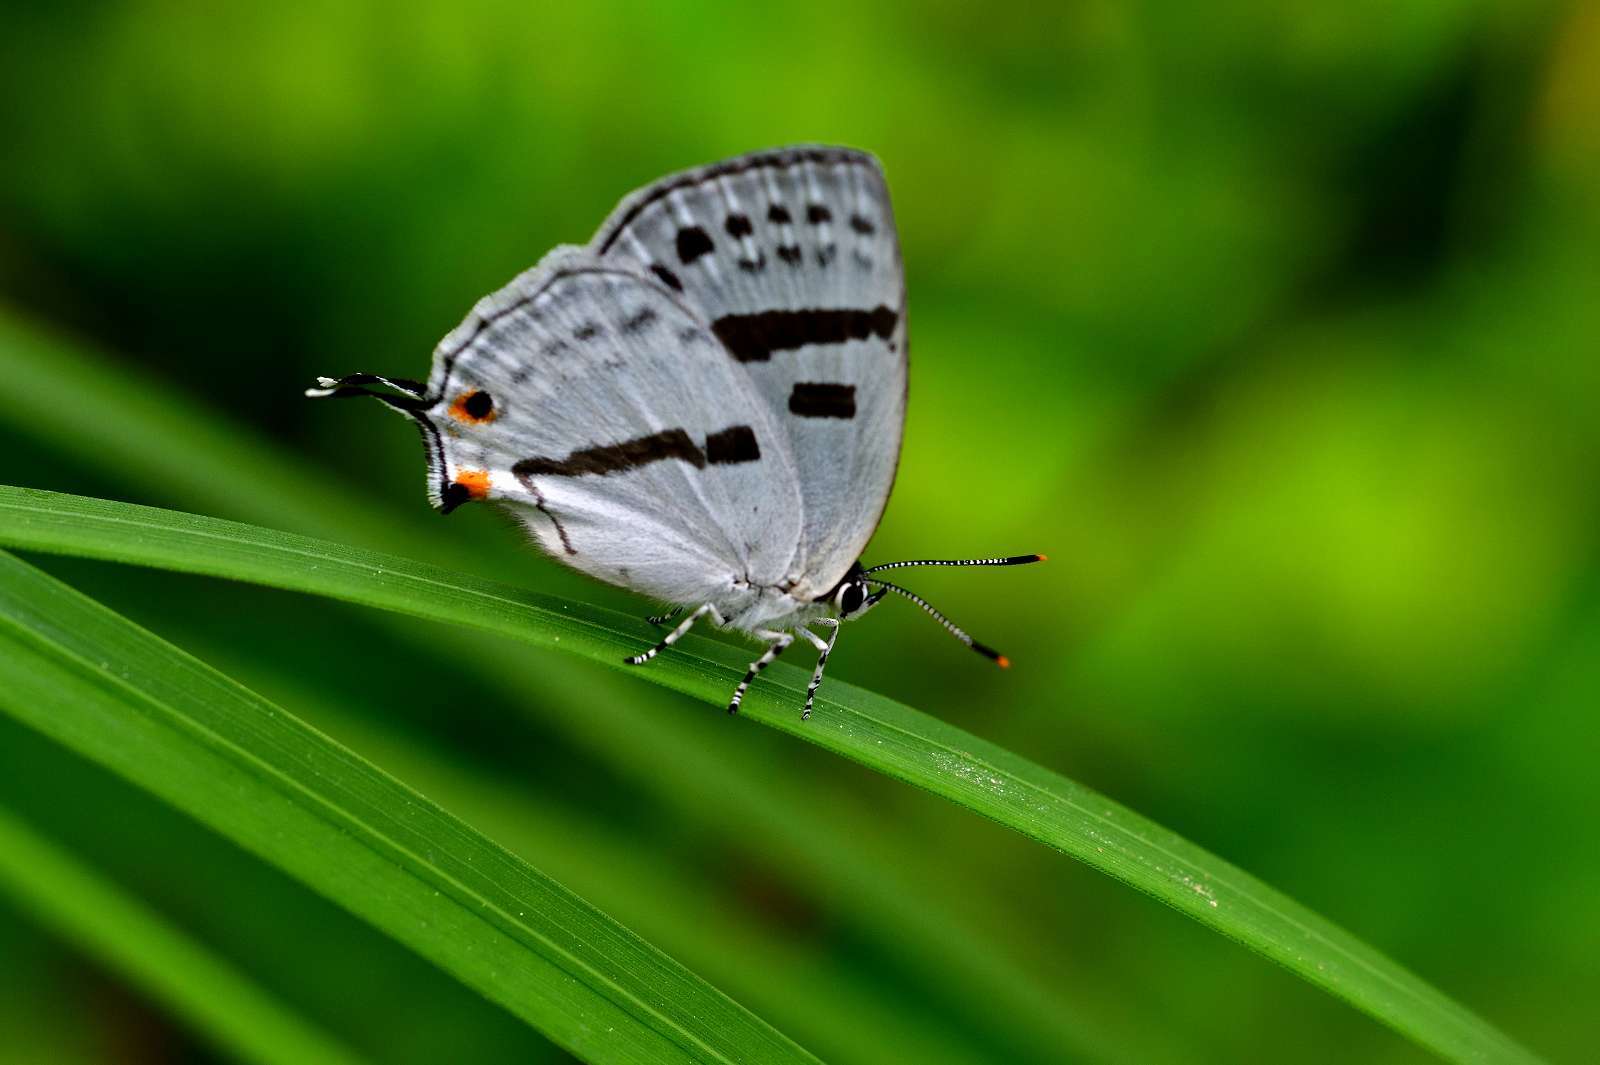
{"x":704,"y":404}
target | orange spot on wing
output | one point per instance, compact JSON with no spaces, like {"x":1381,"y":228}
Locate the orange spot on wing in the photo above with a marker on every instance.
{"x":473,"y":407}
{"x":476,"y":482}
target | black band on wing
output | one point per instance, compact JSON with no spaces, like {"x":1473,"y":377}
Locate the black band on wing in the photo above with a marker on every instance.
{"x":754,"y":337}
{"x":734,"y":444}
{"x":816,"y":399}
{"x":615,"y":458}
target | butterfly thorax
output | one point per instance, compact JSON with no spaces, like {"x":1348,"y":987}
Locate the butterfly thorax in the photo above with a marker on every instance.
{"x":771,"y":608}
{"x":789,"y":607}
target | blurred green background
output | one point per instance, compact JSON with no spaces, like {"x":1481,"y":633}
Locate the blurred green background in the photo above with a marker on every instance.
{"x":1274,"y":325}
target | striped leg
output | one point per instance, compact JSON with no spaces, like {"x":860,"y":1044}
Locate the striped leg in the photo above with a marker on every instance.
{"x":662,"y":619}
{"x":780,"y":642}
{"x":672,"y":637}
{"x":823,"y":647}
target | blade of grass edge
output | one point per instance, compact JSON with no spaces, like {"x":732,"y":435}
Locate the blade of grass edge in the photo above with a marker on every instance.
{"x":877,"y":732}
{"x":153,"y":435}
{"x":202,"y":989}
{"x":116,"y":694}
{"x":846,"y":1013}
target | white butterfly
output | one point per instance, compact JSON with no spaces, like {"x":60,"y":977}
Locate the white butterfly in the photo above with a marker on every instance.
{"x":703,"y":405}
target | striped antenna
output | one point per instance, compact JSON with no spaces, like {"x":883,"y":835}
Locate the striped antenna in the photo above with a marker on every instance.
{"x":1010,"y":560}
{"x":951,"y":627}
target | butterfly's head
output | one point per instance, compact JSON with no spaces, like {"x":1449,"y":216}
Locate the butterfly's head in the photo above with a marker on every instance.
{"x":851,"y":597}
{"x":859,"y":591}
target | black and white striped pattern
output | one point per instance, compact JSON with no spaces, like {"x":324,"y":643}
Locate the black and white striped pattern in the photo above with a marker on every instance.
{"x":676,"y":634}
{"x":780,"y":643}
{"x":824,"y":649}
{"x":949,"y":626}
{"x":1005,"y":560}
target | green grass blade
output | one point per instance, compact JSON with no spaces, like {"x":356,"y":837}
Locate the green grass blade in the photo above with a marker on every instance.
{"x":200,"y":987}
{"x":852,"y":1016}
{"x":127,"y":424}
{"x":877,"y":732}
{"x":120,"y":696}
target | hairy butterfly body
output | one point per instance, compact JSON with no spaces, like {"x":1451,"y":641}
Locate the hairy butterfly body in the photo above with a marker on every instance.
{"x":703,"y":405}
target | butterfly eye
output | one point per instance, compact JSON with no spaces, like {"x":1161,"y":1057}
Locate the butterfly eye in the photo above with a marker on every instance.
{"x":851,"y":596}
{"x":474,"y":406}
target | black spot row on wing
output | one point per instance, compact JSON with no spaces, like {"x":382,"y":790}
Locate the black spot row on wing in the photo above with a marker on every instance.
{"x":693,"y":241}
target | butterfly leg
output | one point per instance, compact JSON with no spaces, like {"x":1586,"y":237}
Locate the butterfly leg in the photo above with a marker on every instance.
{"x":823,"y":648}
{"x":780,"y":642}
{"x":672,"y":637}
{"x":662,"y":619}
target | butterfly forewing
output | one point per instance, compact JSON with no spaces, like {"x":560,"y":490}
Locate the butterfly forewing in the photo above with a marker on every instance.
{"x":642,"y":454}
{"x":793,"y":260}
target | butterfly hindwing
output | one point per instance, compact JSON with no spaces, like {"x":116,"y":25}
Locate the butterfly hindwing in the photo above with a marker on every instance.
{"x":792,"y":258}
{"x":641,"y":454}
